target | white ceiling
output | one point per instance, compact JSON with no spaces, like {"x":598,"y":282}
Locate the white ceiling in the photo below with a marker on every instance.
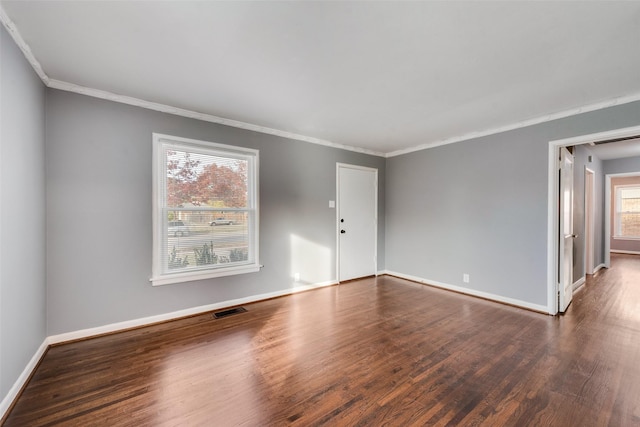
{"x":381,"y":76}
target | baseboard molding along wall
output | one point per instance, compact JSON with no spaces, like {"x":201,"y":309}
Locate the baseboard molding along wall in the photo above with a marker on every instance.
{"x":14,"y":392}
{"x":618,"y":251}
{"x":472,"y":292}
{"x":120,"y":326}
{"x":578,"y":283}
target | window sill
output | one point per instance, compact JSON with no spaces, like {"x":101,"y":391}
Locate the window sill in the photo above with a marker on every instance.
{"x":626,"y":237}
{"x":190,"y":276}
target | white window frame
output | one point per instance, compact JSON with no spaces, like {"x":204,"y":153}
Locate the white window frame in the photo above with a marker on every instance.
{"x":617,"y":225}
{"x":162,"y":143}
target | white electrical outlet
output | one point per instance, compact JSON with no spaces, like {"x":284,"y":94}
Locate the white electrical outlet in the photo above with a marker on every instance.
{"x":465,"y":278}
{"x":332,"y":203}
{"x":296,"y":277}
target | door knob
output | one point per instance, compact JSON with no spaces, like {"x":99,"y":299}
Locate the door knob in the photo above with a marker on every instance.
{"x":342,"y":231}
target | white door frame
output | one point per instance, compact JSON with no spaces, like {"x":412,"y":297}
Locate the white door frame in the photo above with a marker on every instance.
{"x":566,"y":235}
{"x":589,"y":229}
{"x":375,"y":248}
{"x":607,"y":212}
{"x":552,"y":213}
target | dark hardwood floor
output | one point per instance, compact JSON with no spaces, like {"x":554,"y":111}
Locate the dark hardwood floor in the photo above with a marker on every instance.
{"x":371,"y":352}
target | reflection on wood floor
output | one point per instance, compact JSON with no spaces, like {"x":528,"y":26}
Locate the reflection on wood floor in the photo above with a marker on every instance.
{"x":371,"y":352}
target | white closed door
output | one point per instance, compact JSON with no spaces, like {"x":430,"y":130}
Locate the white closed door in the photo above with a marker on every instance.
{"x":566,"y":236}
{"x":357,"y":221}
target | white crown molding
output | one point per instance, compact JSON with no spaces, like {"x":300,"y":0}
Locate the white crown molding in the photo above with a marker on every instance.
{"x":102,"y":94}
{"x":519,"y":125}
{"x":97,"y":93}
{"x":22,"y":45}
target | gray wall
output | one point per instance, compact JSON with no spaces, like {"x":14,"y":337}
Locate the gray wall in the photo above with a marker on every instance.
{"x":22,"y":213}
{"x":480,"y":207}
{"x":581,"y":154}
{"x":99,"y":238}
{"x":624,"y":165}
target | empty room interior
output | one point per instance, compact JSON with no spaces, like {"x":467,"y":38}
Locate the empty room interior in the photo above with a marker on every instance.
{"x":319,"y":213}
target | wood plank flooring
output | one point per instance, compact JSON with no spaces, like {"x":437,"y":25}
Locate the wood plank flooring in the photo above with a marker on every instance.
{"x":379,"y":351}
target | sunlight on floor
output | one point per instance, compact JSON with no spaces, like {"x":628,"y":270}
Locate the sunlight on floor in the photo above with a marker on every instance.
{"x":188,"y":385}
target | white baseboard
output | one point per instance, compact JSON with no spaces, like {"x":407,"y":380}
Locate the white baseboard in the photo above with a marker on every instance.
{"x":472,"y":292}
{"x":618,"y":251}
{"x":23,"y":378}
{"x":598,"y":268}
{"x":114,"y":327}
{"x":578,"y":283}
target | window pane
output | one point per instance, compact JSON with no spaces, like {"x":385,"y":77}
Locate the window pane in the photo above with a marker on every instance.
{"x":630,"y":224}
{"x":195,"y":179}
{"x":630,"y":193}
{"x":629,"y":204}
{"x":205,"y":210}
{"x":206,"y":239}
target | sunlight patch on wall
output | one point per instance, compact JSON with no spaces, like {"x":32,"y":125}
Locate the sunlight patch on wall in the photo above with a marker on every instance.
{"x":310,"y":262}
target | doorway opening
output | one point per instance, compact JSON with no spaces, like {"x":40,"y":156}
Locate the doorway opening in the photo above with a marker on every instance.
{"x":621,"y":220}
{"x":554,"y":251}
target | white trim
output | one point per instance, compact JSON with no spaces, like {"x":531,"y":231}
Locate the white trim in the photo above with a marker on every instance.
{"x":617,"y":211}
{"x":581,"y":281}
{"x":472,"y":292}
{"x":23,"y":46}
{"x":618,"y":251}
{"x":599,"y":267}
{"x":599,"y":136}
{"x":123,"y":99}
{"x":160,"y":144}
{"x":607,"y":209}
{"x":518,"y":125}
{"x":607,"y":221}
{"x":135,"y":323}
{"x":164,"y":108}
{"x":3,"y":405}
{"x":589,"y":209}
{"x":552,"y":204}
{"x":552,"y":228}
{"x":97,"y":93}
{"x":7,"y":401}
{"x":375,"y":244}
{"x":191,"y":276}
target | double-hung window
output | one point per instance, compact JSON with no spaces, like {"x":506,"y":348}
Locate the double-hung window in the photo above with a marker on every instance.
{"x":627,"y":213}
{"x":205,"y":210}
